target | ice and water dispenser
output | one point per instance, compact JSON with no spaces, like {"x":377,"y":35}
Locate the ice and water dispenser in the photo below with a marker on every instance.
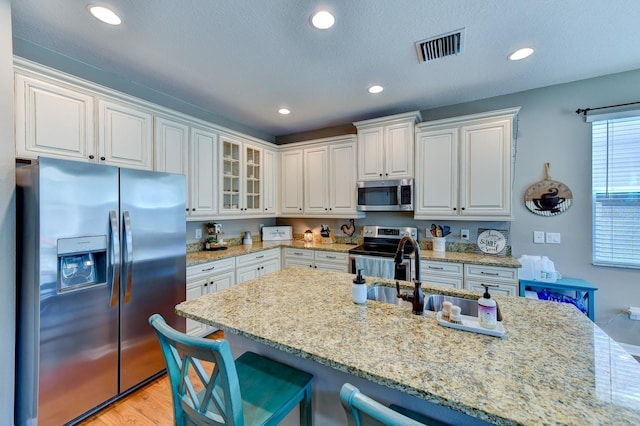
{"x":82,"y":262}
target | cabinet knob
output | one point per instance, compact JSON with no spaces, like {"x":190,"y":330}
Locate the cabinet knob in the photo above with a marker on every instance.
{"x":325,"y":209}
{"x":300,"y":209}
{"x":193,"y":210}
{"x":91,"y":157}
{"x":102,"y":158}
{"x":187,"y":209}
{"x":386,"y":174}
{"x":380,"y":174}
{"x":462,"y":208}
{"x":454,"y":209}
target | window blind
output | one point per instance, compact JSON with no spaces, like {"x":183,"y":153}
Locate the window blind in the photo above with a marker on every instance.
{"x":616,"y":192}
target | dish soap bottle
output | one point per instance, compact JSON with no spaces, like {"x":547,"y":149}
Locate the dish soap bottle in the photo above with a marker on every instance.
{"x":359,"y":289}
{"x":487,"y":310}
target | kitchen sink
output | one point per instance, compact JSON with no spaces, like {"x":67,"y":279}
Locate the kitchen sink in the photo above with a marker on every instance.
{"x":467,"y":306}
{"x":386,"y":294}
{"x":433,"y":302}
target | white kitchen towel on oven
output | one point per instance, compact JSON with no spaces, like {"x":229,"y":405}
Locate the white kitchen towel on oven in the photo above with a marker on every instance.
{"x":381,"y":267}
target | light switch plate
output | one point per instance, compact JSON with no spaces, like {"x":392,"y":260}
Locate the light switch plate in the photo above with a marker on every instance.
{"x":553,"y":238}
{"x":538,"y":237}
{"x":198,"y":233}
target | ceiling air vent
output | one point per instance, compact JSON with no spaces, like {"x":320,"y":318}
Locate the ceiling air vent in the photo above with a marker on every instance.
{"x":440,"y":46}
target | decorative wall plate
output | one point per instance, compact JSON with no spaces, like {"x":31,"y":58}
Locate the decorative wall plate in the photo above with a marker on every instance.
{"x":548,"y":197}
{"x":491,"y":241}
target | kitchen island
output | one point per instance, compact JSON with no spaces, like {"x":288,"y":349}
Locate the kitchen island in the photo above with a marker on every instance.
{"x":553,"y":366}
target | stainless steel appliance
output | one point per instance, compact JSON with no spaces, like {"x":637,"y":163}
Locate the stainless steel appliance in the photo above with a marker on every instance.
{"x":100,"y":249}
{"x":376,"y":255}
{"x":385,"y":195}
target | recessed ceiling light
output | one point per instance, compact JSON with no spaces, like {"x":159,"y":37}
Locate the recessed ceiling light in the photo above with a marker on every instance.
{"x":376,"y":89}
{"x":521,"y":54}
{"x":107,"y":16}
{"x":323,"y":20}
{"x":284,"y":111}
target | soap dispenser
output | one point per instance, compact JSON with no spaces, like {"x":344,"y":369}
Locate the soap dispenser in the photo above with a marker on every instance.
{"x":359,"y":289}
{"x":487,"y":310}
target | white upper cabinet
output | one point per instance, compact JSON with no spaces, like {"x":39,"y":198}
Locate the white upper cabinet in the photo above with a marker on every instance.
{"x":270,"y":177}
{"x":386,"y":147}
{"x":241,"y":177}
{"x":342,"y":178}
{"x":56,"y":118}
{"x":125,"y":135}
{"x":203,"y":177}
{"x":291,"y":181}
{"x":319,"y":178}
{"x":464,"y":167}
{"x":53,"y":119}
{"x":171,"y":139}
{"x":316,"y":180}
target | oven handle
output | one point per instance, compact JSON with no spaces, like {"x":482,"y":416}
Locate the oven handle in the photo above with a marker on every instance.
{"x":407,"y":261}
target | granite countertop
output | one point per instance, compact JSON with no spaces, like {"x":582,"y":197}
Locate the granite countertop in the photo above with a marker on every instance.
{"x":553,"y":366}
{"x":199,"y":257}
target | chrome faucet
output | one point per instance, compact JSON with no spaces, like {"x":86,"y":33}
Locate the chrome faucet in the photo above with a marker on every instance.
{"x":417,"y":298}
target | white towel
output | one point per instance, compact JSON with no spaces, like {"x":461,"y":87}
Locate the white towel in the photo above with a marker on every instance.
{"x":382,"y":267}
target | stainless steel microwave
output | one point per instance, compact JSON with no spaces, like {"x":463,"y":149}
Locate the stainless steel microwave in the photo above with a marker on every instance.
{"x":385,"y":195}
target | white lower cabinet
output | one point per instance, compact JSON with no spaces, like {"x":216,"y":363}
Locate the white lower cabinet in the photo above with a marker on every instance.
{"x":254,"y":265}
{"x":446,"y":274}
{"x":504,"y":281}
{"x":332,"y":261}
{"x":318,"y":259}
{"x":207,"y":278}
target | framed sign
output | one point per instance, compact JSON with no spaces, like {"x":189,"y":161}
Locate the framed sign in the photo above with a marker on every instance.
{"x":492,"y":241}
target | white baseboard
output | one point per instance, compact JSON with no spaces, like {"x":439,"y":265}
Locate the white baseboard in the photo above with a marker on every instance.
{"x":632,"y":349}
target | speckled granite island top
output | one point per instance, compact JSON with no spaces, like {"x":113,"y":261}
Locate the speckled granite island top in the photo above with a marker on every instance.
{"x":553,"y":366}
{"x":199,"y":257}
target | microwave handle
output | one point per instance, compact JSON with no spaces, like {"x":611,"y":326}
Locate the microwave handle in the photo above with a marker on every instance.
{"x":399,"y":194}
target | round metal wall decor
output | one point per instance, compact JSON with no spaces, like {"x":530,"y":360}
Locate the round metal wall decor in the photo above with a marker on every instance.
{"x":548,"y":197}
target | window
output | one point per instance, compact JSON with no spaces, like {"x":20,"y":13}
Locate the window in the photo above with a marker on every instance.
{"x":616,"y":192}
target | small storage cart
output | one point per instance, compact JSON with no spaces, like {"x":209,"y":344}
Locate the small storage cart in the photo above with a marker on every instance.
{"x":581,"y":291}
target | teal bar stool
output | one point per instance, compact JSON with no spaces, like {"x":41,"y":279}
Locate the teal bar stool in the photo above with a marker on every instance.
{"x":363,"y":411}
{"x":252,"y":390}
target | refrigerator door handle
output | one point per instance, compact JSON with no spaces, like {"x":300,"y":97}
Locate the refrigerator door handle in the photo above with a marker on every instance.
{"x":128,"y":256}
{"x":114,"y":264}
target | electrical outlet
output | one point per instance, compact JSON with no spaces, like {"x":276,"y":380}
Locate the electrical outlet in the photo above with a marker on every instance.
{"x":634,"y":313}
{"x":538,"y":237}
{"x":198,"y":233}
{"x":553,"y":238}
{"x":464,"y":234}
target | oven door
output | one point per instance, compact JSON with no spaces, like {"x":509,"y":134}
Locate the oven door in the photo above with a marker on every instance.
{"x":382,"y":267}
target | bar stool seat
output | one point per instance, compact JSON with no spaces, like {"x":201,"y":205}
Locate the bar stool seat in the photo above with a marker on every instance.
{"x":252,"y":390}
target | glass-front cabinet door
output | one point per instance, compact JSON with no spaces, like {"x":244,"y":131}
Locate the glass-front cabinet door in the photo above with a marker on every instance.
{"x":253,"y":187}
{"x":231,"y":173}
{"x":241,"y":180}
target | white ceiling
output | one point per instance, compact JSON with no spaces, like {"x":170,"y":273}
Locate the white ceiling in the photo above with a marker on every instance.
{"x":244,"y":59}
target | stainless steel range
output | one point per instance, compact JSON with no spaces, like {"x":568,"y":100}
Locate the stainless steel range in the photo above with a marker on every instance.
{"x":375,"y":256}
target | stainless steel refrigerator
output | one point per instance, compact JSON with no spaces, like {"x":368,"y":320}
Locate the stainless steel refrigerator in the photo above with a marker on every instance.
{"x":101,"y":248}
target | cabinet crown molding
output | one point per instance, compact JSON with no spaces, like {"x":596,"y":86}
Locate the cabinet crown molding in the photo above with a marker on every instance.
{"x":508,"y":112}
{"x":416,"y":116}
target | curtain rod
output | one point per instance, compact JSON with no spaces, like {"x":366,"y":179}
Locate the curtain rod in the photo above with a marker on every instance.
{"x":584,"y":111}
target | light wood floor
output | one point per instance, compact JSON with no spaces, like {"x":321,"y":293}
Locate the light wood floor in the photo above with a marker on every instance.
{"x":149,"y":405}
